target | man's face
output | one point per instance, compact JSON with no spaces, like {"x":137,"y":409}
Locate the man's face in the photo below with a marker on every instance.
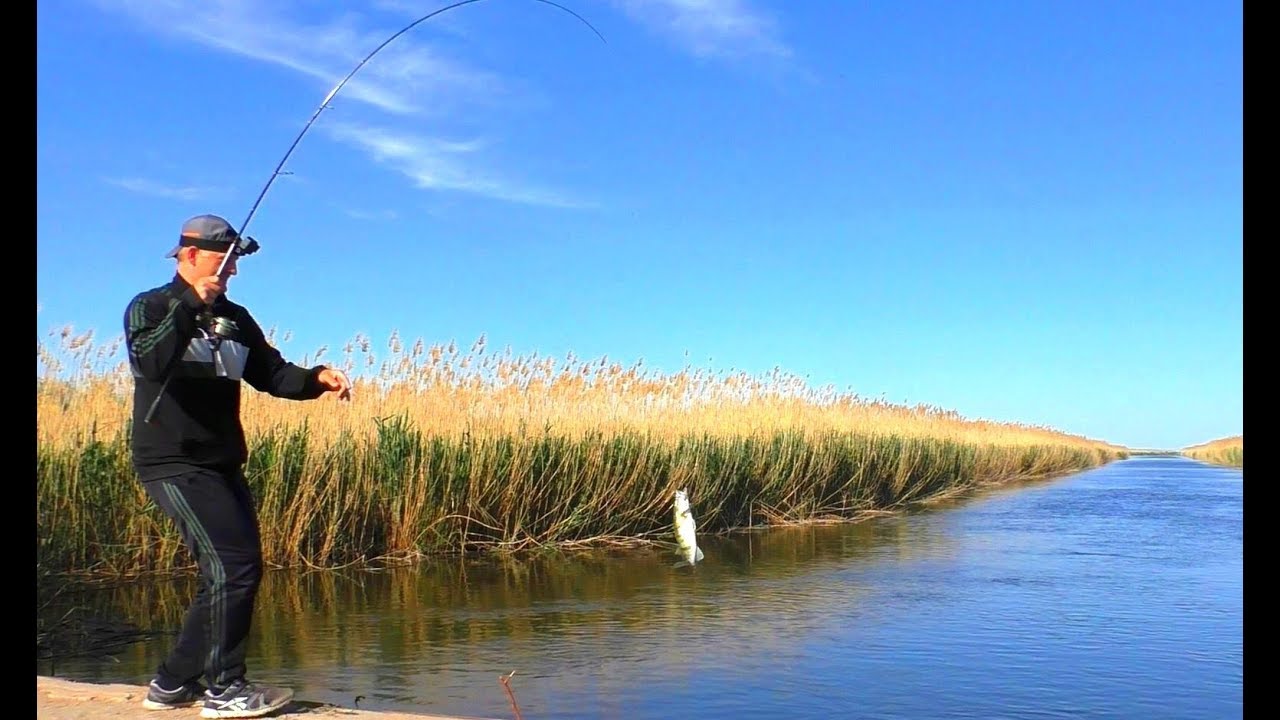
{"x":207,"y":262}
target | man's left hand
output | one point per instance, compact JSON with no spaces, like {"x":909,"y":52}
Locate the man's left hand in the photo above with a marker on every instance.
{"x":336,"y":381}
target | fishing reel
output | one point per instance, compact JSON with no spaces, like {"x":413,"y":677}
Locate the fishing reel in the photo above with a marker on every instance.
{"x":215,"y":328}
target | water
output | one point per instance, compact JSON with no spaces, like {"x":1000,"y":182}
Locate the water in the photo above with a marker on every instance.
{"x":1113,"y":593}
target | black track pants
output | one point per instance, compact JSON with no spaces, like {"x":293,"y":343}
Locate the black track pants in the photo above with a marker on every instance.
{"x":215,"y":516}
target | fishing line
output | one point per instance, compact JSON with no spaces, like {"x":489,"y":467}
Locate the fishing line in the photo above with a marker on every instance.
{"x":248,"y":245}
{"x":343,"y":82}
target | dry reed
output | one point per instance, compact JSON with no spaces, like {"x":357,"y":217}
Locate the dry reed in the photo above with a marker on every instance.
{"x":1223,"y":451}
{"x":445,"y":451}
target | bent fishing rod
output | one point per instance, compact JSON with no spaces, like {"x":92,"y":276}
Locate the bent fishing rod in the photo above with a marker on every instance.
{"x":244,"y":245}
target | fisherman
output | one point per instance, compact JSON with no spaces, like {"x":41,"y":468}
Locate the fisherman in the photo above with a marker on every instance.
{"x":189,"y":348}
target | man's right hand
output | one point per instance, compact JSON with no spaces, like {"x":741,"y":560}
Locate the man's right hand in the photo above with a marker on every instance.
{"x":209,"y":288}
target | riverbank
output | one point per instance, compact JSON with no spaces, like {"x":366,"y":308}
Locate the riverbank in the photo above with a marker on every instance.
{"x":61,"y":699}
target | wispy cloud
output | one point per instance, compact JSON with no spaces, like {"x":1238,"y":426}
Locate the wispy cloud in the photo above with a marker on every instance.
{"x":432,"y":163}
{"x":372,"y":214}
{"x":408,"y":8}
{"x":408,"y":77}
{"x":151,"y":187}
{"x":724,"y":28}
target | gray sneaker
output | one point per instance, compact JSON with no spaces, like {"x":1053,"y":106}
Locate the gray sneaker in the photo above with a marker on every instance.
{"x":245,"y":700}
{"x":158,"y":698}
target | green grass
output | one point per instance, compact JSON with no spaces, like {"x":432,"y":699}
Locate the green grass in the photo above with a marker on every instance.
{"x":404,"y":493}
{"x":442,"y":452}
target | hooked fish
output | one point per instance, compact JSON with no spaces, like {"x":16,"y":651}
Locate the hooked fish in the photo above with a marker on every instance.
{"x":686,"y":531}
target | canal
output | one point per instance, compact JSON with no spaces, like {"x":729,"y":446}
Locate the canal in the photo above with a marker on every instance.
{"x":1112,"y":593}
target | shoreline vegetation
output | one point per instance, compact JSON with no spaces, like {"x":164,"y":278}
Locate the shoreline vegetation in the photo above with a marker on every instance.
{"x":1223,"y":451}
{"x":442,"y":451}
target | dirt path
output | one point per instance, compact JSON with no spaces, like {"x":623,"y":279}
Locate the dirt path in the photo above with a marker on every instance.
{"x":58,"y":699}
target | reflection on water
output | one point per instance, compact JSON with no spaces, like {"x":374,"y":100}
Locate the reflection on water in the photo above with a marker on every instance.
{"x":1112,"y":593}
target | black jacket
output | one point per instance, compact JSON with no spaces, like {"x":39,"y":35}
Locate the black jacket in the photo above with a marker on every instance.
{"x":197,"y":423}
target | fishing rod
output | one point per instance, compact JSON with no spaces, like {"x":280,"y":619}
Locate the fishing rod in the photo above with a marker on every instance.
{"x":336,"y":88}
{"x":242,"y":244}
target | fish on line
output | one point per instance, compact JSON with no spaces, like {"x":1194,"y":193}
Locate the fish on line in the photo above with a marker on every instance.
{"x":686,"y":531}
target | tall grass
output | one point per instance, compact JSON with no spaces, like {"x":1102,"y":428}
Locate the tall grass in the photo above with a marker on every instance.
{"x":444,"y":451}
{"x":1223,"y":451}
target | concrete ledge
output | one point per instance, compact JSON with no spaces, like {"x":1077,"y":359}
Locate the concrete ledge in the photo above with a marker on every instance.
{"x":59,"y":699}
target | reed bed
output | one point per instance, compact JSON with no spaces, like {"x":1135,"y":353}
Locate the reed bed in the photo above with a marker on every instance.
{"x":445,"y":451}
{"x":1223,"y":451}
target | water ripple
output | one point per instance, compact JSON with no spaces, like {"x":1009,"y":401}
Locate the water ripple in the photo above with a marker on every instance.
{"x":1115,"y":593}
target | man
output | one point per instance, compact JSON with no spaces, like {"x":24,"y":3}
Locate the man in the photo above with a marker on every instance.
{"x":189,"y":348}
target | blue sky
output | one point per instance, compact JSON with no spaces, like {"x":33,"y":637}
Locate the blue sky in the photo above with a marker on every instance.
{"x":1022,"y":211}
